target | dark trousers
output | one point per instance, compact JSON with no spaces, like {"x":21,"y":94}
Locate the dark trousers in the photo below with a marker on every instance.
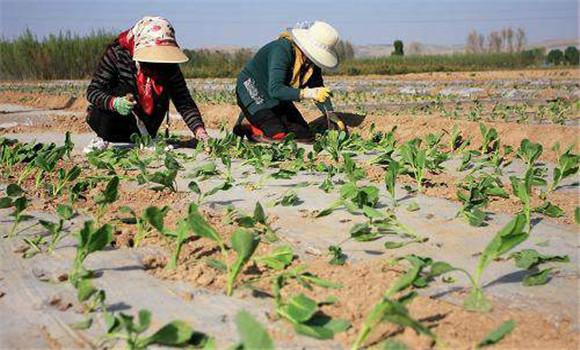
{"x":112,"y":126}
{"x":283,"y":118}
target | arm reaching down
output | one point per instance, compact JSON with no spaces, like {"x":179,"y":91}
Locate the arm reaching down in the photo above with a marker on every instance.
{"x":185,"y":105}
{"x":99,"y":89}
{"x":280,"y":62}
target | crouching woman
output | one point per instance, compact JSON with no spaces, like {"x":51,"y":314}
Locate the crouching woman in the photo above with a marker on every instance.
{"x":286,"y":70}
{"x":134,"y":82}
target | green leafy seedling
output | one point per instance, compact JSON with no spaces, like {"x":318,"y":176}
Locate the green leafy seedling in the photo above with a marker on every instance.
{"x":568,"y":164}
{"x":301,"y":311}
{"x":174,"y":334}
{"x":244,"y":243}
{"x":252,"y":334}
{"x":280,"y":258}
{"x":497,"y":334}
{"x":108,"y":196}
{"x":391,"y":178}
{"x":529,"y":152}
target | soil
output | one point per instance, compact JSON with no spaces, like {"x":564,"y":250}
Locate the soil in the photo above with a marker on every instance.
{"x":364,"y":282}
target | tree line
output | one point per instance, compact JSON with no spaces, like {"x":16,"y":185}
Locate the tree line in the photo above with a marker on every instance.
{"x":71,"y":56}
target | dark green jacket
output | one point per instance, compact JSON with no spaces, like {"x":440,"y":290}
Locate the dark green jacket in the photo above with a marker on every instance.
{"x":265,"y":79}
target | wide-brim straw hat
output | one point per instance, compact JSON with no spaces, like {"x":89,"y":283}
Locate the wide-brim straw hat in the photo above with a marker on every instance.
{"x":154,"y":42}
{"x":160,"y":54}
{"x":318,"y":43}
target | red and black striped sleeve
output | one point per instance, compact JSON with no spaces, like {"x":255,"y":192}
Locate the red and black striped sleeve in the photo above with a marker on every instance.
{"x":99,"y":89}
{"x":183,"y":101}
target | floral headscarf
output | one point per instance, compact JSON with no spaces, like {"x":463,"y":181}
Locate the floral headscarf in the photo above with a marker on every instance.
{"x":149,"y":31}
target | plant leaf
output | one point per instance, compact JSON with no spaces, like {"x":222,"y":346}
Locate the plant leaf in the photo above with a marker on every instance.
{"x":538,"y":278}
{"x":278,"y":259}
{"x":13,"y":190}
{"x":252,"y":333}
{"x":299,"y":309}
{"x":200,"y":226}
{"x":175,"y":333}
{"x":497,"y":334}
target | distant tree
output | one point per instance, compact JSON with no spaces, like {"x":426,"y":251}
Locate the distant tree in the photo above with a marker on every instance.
{"x":344,"y":50}
{"x":494,"y":42}
{"x":555,"y":57}
{"x":415,"y":49}
{"x":475,"y":42}
{"x":571,"y":56}
{"x":509,"y":43}
{"x":398,"y":44}
{"x":520,"y":40}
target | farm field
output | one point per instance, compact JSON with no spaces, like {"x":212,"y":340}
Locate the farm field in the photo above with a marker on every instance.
{"x":447,"y":219}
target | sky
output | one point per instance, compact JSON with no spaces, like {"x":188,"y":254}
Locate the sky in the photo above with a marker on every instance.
{"x":250,"y":23}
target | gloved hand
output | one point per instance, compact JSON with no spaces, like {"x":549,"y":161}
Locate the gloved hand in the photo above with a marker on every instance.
{"x":319,"y":94}
{"x":201,"y":134}
{"x":123,"y":105}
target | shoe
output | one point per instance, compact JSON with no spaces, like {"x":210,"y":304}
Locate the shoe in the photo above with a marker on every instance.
{"x":96,"y":144}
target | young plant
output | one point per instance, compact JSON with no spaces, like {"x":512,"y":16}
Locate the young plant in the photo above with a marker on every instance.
{"x":505,"y":240}
{"x":173,"y":334}
{"x":288,"y":199}
{"x":252,"y":334}
{"x":530,"y":260}
{"x":354,"y":198}
{"x":152,"y":217}
{"x":64,"y":179}
{"x":415,"y":160}
{"x":391,"y":174}
{"x":15,"y":198}
{"x":243,"y":242}
{"x":337,"y":257}
{"x":90,"y":240}
{"x":279,"y":259}
{"x":529,"y":152}
{"x":302,"y":312}
{"x":395,"y":311}
{"x":201,"y":196}
{"x":490,"y":138}
{"x":474,"y":192}
{"x":568,"y":163}
{"x":108,"y":196}
{"x":64,"y":213}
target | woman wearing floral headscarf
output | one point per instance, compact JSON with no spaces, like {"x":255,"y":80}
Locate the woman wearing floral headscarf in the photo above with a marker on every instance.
{"x":283,"y":71}
{"x":136,"y":78}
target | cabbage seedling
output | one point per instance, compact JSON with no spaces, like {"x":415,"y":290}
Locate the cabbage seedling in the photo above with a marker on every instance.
{"x":568,"y":163}
{"x":152,"y":217}
{"x":244,"y":243}
{"x":391,"y":174}
{"x":280,"y":258}
{"x":108,"y":196}
{"x":415,"y":160}
{"x":529,"y":152}
{"x":89,"y":240}
{"x":253,"y":335}
{"x":15,"y":198}
{"x":394,"y":311}
{"x":173,"y":334}
{"x":301,"y":311}
{"x":64,"y":212}
{"x":505,"y":240}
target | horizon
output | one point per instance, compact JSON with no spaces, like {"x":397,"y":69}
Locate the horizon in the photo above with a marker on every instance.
{"x":251,"y":23}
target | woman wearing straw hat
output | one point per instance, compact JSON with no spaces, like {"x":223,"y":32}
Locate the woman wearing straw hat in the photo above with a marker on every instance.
{"x":286,"y":70}
{"x":136,"y":78}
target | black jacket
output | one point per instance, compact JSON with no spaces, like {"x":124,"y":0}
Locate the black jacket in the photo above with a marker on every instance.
{"x":116,"y":76}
